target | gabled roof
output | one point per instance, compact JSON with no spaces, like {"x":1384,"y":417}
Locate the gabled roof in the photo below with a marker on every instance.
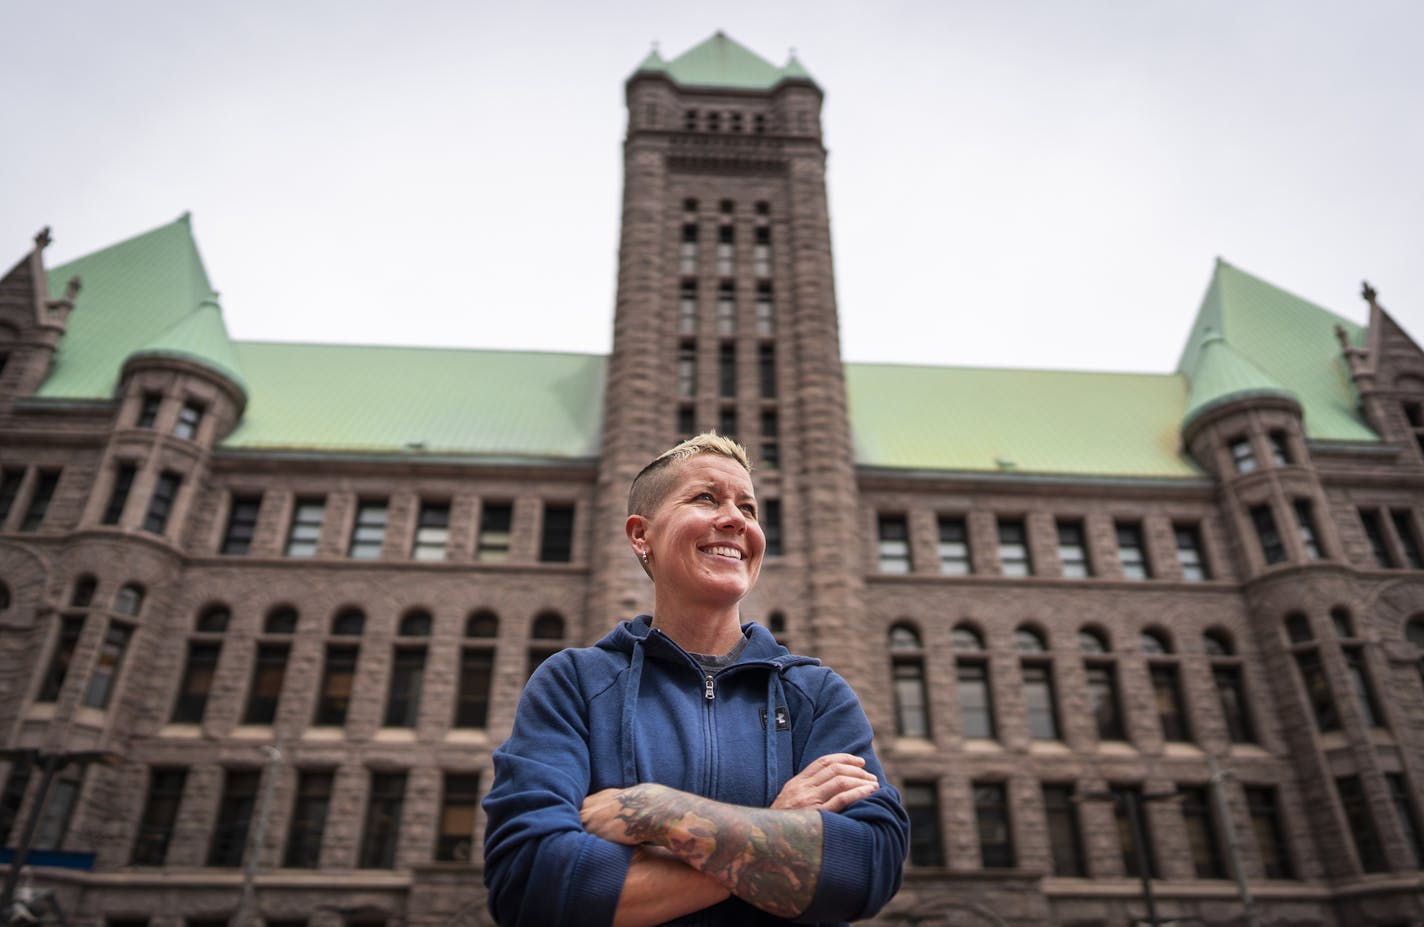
{"x":1027,"y":421}
{"x":1251,"y":336}
{"x":200,"y":337}
{"x":132,"y":292}
{"x":368,"y":399}
{"x":723,"y":63}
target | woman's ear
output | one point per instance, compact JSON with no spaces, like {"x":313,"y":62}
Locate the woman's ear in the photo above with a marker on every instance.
{"x":636,"y":527}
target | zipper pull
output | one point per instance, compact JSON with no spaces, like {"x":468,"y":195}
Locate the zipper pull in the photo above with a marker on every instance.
{"x":709,"y":691}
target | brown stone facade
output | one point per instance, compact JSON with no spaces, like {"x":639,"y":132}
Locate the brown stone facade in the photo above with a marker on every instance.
{"x":1133,"y":638}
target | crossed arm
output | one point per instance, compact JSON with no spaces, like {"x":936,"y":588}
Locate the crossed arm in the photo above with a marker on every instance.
{"x":694,"y":852}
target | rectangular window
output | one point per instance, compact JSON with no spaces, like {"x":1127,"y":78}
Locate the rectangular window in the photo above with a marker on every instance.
{"x":45,"y":485}
{"x":1232,"y":695}
{"x":476,"y":677}
{"x":1403,"y":521}
{"x":1374,"y":533}
{"x":726,"y":239}
{"x":148,"y":410}
{"x":407,"y":676}
{"x":727,"y":369}
{"x":770,"y":440}
{"x":911,"y":712}
{"x":160,"y":504}
{"x":1270,"y":836}
{"x":1190,"y":554}
{"x":160,"y":812}
{"x":687,"y":308}
{"x":305,"y":531}
{"x":766,"y":369}
{"x":53,"y":824}
{"x":1013,"y":549}
{"x":13,"y":797}
{"x":686,"y":421}
{"x":1272,"y":548}
{"x":1107,"y":710}
{"x":455,"y":842}
{"x":1167,"y":693}
{"x":197,"y":682}
{"x":1127,"y":804}
{"x":336,"y":685}
{"x":10,"y":481}
{"x":1201,"y":833}
{"x":368,"y":534}
{"x":106,"y":670}
{"x":954,"y":546}
{"x":922,"y":805}
{"x":1242,"y":457}
{"x":241,"y":524}
{"x":495,"y":521}
{"x":239,"y":800}
{"x":975,"y":704}
{"x":761,"y":252}
{"x":771,"y":526}
{"x":432,"y":531}
{"x":727,"y":422}
{"x":1132,"y":553}
{"x":726,"y":308}
{"x":991,"y":813}
{"x":69,"y":630}
{"x":1361,"y":824}
{"x":1065,"y":838}
{"x":1040,"y":701}
{"x":894,"y":543}
{"x":1072,"y":550}
{"x":1359,"y":675}
{"x":1407,"y":810}
{"x":687,"y":250}
{"x":1317,"y":689}
{"x":190,"y":416}
{"x":308,"y":819}
{"x":557,"y":541}
{"x":383,"y":819}
{"x":765,"y":309}
{"x":269,"y":671}
{"x":1305,"y":521}
{"x":119,"y":494}
{"x":687,"y":368}
{"x":1280,"y":448}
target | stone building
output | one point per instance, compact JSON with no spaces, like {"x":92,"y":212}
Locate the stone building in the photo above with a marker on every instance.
{"x":291,"y":592}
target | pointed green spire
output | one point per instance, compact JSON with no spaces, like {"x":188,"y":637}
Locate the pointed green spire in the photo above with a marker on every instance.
{"x":724,"y":63}
{"x":795,"y":69}
{"x":202,"y":338}
{"x":1221,"y":375}
{"x":653,"y":63}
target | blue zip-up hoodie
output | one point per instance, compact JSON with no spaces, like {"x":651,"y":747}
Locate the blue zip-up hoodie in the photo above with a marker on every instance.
{"x":637,"y":708}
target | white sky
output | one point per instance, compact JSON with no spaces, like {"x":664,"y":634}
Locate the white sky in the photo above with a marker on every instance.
{"x":1026,"y":184}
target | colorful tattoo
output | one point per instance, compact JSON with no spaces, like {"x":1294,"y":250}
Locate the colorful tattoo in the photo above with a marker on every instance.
{"x":770,"y":859}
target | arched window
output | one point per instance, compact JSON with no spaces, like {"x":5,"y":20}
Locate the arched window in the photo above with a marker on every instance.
{"x":281,"y":619}
{"x":1036,"y":668}
{"x":129,"y":601}
{"x":83,"y":594}
{"x":1226,"y":672}
{"x":965,"y":637}
{"x":349,"y":622}
{"x":1166,"y":681}
{"x":213,"y":619}
{"x":1341,"y":621}
{"x":973,"y":683}
{"x":482,"y":623}
{"x":907,"y":672}
{"x":1308,"y":663}
{"x":1156,"y":643}
{"x":1356,"y":665}
{"x":548,"y":626}
{"x":416,"y":623}
{"x":1101,"y":670}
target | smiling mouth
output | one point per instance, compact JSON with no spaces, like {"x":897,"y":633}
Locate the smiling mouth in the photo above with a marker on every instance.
{"x":721,"y":550}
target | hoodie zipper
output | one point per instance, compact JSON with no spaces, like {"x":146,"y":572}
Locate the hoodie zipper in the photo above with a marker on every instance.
{"x":709,"y":692}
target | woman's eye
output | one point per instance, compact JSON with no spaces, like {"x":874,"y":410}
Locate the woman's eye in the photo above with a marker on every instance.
{"x":750,"y":510}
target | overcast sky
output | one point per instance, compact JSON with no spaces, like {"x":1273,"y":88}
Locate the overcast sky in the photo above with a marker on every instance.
{"x":1011,"y":184}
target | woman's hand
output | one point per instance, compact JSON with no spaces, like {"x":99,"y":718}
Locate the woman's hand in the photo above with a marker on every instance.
{"x":830,"y":783}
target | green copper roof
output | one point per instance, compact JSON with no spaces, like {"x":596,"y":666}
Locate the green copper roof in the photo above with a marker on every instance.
{"x":724,"y":63}
{"x":654,"y":62}
{"x":1251,"y":336}
{"x":1025,"y":421}
{"x":386,"y":399}
{"x":132,"y":292}
{"x":200,"y":337}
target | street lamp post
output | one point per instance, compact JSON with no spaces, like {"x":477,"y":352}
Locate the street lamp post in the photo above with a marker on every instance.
{"x":50,"y":765}
{"x":1131,"y":802}
{"x":1223,"y":814}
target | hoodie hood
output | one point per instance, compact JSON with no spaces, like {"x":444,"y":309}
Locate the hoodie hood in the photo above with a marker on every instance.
{"x":639,"y":633}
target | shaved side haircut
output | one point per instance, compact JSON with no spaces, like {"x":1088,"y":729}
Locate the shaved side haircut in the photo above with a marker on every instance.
{"x":651,"y":484}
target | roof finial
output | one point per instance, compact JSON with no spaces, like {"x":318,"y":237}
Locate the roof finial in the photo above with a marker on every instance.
{"x":42,"y":239}
{"x":1367,"y":292}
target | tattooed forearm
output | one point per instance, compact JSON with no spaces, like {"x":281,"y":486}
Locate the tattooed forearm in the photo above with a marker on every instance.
{"x":771,"y":859}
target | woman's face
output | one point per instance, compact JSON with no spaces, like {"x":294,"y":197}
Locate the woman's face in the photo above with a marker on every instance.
{"x":704,"y":540}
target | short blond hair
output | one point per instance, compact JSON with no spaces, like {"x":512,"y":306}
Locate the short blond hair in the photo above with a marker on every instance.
{"x":651,"y":484}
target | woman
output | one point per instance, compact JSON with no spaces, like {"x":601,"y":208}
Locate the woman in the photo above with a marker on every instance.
{"x":688,"y":768}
